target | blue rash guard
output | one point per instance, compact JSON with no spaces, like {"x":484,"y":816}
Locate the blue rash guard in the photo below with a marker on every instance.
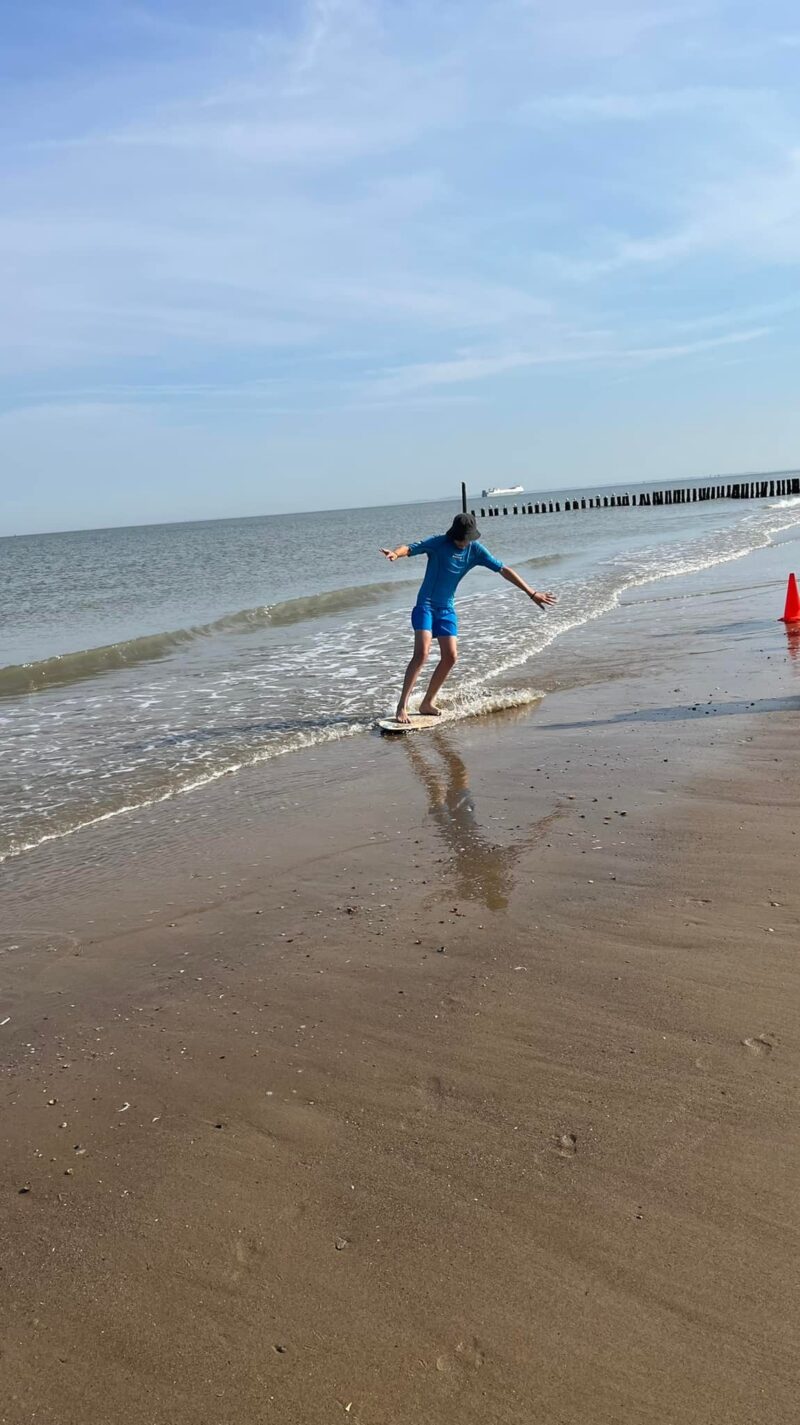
{"x":447,"y":566}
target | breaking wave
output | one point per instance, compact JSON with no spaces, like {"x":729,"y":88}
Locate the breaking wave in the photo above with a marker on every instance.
{"x":66,"y":668}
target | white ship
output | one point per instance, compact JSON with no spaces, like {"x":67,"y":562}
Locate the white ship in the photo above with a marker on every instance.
{"x":510,"y":490}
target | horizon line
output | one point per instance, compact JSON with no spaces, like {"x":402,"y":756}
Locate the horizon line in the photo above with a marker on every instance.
{"x":438,"y":500}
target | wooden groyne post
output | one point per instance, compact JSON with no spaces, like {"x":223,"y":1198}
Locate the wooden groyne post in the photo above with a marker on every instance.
{"x":761,"y":489}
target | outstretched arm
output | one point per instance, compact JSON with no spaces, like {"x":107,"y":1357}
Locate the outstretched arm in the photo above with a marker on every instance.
{"x":514,"y":578}
{"x":401,"y":552}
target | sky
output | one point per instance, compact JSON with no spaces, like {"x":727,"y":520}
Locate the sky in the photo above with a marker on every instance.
{"x":300,"y":254}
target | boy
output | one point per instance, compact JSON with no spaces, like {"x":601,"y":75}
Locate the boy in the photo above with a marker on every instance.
{"x":450,"y":557}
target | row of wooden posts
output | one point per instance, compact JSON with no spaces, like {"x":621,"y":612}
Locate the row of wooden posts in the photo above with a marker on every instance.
{"x":691,"y":494}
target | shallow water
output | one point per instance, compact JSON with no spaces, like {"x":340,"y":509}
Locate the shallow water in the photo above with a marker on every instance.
{"x":137,"y":663}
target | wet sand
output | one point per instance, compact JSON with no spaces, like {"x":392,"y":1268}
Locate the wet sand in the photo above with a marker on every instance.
{"x":452,"y":1079}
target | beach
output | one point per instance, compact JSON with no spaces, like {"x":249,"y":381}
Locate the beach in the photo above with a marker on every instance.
{"x":451,"y":1078}
{"x":142,"y":664}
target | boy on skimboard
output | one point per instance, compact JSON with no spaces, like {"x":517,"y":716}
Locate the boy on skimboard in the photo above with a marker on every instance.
{"x":450,"y":557}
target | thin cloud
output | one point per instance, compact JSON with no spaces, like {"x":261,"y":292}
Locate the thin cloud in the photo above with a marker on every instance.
{"x":599,"y":31}
{"x":286,"y":143}
{"x":579,"y":108}
{"x":469,"y":368}
{"x":755,"y":215}
{"x":357,"y":178}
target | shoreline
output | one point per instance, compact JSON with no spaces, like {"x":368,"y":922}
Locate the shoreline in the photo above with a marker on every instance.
{"x":461,"y":1074}
{"x":151,"y":749}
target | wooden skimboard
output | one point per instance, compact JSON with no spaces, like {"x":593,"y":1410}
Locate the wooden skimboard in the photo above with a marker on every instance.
{"x":418,"y":723}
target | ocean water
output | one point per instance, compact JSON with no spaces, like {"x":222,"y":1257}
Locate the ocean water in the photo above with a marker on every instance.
{"x":139,"y":663}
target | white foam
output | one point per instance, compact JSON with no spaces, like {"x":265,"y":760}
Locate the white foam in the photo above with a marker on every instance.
{"x":175,"y":733}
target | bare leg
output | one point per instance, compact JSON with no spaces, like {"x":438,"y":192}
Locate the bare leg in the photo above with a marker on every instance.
{"x":443,"y":669}
{"x":422,"y":645}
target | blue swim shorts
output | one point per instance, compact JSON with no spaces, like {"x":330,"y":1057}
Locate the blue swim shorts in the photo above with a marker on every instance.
{"x":442,"y":623}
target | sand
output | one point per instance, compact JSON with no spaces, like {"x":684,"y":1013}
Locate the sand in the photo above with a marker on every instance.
{"x":453,"y":1080}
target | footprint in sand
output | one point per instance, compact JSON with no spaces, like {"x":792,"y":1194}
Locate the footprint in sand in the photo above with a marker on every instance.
{"x":761,"y":1045}
{"x":471,"y":1353}
{"x":293,"y":1213}
{"x":434,"y":1091}
{"x":248,"y":1252}
{"x":468,"y":1356}
{"x":567,"y":1145}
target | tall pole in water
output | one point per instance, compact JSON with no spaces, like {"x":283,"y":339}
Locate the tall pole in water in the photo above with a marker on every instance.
{"x":463,"y":498}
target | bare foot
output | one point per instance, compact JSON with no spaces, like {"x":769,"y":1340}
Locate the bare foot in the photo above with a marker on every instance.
{"x":429,"y":710}
{"x":402,"y":714}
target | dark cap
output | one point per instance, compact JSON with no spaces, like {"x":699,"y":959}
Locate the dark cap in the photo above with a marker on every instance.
{"x":464,"y":528}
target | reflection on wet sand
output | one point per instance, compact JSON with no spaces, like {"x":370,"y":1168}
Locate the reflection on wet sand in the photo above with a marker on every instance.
{"x":483,"y":870}
{"x":793,"y":641}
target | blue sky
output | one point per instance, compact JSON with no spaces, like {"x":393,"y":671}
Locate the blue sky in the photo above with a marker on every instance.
{"x":269,"y":256}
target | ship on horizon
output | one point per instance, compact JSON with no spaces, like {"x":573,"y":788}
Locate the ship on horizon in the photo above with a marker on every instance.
{"x":502,"y":490}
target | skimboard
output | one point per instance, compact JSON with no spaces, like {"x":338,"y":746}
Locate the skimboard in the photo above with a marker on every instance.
{"x":418,"y":723}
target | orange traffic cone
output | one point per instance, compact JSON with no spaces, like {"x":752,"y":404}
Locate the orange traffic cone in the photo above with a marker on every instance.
{"x":791,"y":613}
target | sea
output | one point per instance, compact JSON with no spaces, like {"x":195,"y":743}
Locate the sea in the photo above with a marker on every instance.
{"x":137,"y":664}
